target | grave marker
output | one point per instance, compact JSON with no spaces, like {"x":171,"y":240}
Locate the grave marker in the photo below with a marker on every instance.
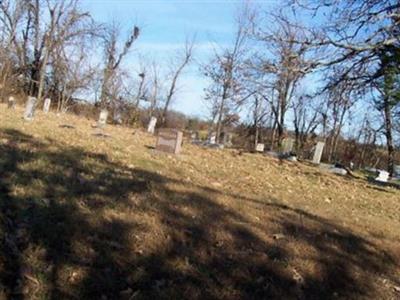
{"x":287,"y":145}
{"x":318,"y":152}
{"x":117,"y":116}
{"x":169,"y":140}
{"x":212,"y":138}
{"x":226,"y":138}
{"x":102,"y":118}
{"x":11,"y":102}
{"x":260,"y":147}
{"x":46,"y":105}
{"x":152,"y":125}
{"x":383,"y":176}
{"x":30,"y":109}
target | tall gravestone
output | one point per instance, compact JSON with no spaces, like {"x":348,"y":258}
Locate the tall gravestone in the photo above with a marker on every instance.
{"x":319,"y":148}
{"x":287,"y":145}
{"x":169,"y":140}
{"x":102,"y":118}
{"x":11,"y":102}
{"x":226,"y":138}
{"x":30,"y":108}
{"x":212,"y":138}
{"x":152,"y":125}
{"x":117,"y":116}
{"x":46,"y":105}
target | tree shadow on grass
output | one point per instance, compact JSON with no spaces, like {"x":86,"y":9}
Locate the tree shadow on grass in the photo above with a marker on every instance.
{"x":75,"y":225}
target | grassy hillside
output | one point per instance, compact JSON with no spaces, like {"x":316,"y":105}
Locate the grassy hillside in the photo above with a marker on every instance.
{"x":90,"y":217}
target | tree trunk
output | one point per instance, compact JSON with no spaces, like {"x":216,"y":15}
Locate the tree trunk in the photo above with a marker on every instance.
{"x":388,"y":134}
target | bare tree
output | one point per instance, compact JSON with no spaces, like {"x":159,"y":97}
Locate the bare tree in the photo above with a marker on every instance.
{"x":281,"y":62}
{"x":113,"y":59}
{"x":357,"y":36}
{"x":225,"y":71}
{"x":181,"y":62}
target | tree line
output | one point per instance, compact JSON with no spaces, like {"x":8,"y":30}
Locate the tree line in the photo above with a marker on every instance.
{"x":311,"y":69}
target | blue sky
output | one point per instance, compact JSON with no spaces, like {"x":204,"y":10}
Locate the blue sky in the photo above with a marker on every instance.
{"x":165,"y":23}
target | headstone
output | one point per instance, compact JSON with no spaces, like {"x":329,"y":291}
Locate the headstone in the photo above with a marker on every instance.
{"x":339,"y":171}
{"x":260,"y":147}
{"x":46,"y":105}
{"x":397,"y":171}
{"x":383,"y":176}
{"x":102,"y":118}
{"x":212,"y":138}
{"x":169,"y":140}
{"x":226,"y":139}
{"x":287,"y":145}
{"x":195,"y":136}
{"x":152,"y":125}
{"x":318,"y":152}
{"x":11,"y":102}
{"x":117,"y":116}
{"x":30,"y":108}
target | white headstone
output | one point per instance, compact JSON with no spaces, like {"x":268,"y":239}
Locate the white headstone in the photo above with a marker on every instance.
{"x":152,"y":125}
{"x":11,"y":102}
{"x":383,"y":176}
{"x":212,"y":138}
{"x":103,"y":118}
{"x":46,"y":105}
{"x":318,"y":152}
{"x":30,"y":108}
{"x":260,"y":147}
{"x":287,"y":145}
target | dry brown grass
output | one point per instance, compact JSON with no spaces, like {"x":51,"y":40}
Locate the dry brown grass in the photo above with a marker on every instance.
{"x":88,"y":217}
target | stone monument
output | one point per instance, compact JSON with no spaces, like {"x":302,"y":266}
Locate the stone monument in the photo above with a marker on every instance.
{"x":152,"y":125}
{"x":46,"y":105}
{"x":30,"y":109}
{"x":287,"y":145}
{"x":102,"y":118}
{"x":318,"y":152}
{"x":260,"y":147}
{"x":169,"y":140}
{"x":11,"y":102}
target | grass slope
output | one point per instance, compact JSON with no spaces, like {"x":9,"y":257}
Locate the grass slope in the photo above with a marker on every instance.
{"x":86,"y":217}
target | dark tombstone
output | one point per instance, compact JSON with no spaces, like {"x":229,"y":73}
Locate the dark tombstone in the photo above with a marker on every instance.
{"x":169,"y":140}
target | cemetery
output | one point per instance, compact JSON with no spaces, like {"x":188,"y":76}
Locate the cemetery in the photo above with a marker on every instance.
{"x":295,"y":206}
{"x":197,"y":150}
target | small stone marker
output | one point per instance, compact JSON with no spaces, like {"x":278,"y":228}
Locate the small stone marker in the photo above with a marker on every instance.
{"x":383,"y":176}
{"x":46,"y":105}
{"x":102,"y":118}
{"x":226,"y":138}
{"x":169,"y":140}
{"x":318,"y":152}
{"x":152,"y":125}
{"x":212,"y":138}
{"x":11,"y":102}
{"x":30,"y":108}
{"x":117,"y":116}
{"x":260,"y":147}
{"x":287,"y":145}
